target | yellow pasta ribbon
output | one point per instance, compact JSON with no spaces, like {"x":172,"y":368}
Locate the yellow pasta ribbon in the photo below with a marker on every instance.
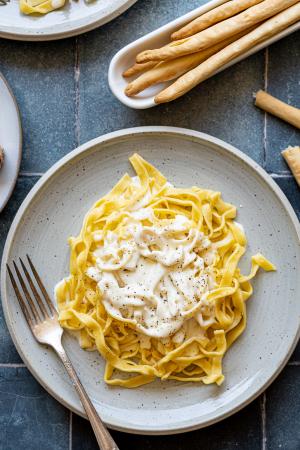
{"x":129,"y":363}
{"x":40,"y":6}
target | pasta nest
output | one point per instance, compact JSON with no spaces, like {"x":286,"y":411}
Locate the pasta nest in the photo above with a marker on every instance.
{"x":129,"y":362}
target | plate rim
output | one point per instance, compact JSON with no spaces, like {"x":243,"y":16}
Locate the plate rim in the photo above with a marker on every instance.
{"x":154,"y":130}
{"x":88,"y":24}
{"x":20,"y":143}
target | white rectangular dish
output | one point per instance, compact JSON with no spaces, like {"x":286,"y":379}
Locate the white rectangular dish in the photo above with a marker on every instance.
{"x":157,"y":38}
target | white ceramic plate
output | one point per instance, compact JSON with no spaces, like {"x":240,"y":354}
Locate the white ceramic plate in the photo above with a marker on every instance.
{"x":10,"y":140}
{"x":74,"y":18}
{"x":55,"y":208}
{"x":157,"y":38}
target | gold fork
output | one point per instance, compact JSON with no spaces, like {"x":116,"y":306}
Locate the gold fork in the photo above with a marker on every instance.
{"x":42,"y":319}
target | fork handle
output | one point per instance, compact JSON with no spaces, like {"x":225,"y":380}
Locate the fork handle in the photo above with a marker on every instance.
{"x":103,"y":436}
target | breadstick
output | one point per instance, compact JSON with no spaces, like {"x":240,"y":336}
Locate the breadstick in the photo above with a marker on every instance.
{"x":168,"y":70}
{"x":216,"y":15}
{"x":278,"y":108}
{"x":218,"y":32}
{"x":292,"y":157}
{"x":215,"y":62}
{"x":138,"y":68}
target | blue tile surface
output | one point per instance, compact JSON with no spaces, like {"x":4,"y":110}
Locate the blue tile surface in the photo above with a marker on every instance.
{"x":283,"y":411}
{"x":64,"y":99}
{"x":241,"y":431}
{"x":29,"y":417}
{"x":42,"y":78}
{"x":283,"y":83}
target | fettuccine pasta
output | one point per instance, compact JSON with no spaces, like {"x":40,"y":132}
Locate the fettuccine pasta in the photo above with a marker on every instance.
{"x":40,"y":6}
{"x":154,"y":281}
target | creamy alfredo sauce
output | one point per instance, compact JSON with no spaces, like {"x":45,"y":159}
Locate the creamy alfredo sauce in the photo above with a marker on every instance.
{"x":155,"y":275}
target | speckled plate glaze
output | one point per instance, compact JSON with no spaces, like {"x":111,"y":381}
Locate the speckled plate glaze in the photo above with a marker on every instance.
{"x":55,"y":208}
{"x":10,"y":140}
{"x":74,"y":18}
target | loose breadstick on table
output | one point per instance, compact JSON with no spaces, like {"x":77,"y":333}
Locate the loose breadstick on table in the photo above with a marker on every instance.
{"x":168,"y":70}
{"x":216,"y":33}
{"x":138,"y":68}
{"x":215,"y":62}
{"x":216,"y":15}
{"x":278,"y":108}
{"x":292,"y":157}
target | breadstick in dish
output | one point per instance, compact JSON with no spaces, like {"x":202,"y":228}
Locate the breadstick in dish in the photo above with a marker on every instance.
{"x":278,"y":108}
{"x":272,"y":26}
{"x":138,"y":68}
{"x":218,"y":32}
{"x":214,"y":16}
{"x":168,"y":70}
{"x":292,"y":157}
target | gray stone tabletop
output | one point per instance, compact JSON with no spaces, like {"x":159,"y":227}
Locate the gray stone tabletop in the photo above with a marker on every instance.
{"x":62,"y":91}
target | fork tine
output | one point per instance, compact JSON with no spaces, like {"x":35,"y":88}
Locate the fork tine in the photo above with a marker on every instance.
{"x":27,"y":295}
{"x":19,"y":297}
{"x":42,"y":287}
{"x":34,"y":291}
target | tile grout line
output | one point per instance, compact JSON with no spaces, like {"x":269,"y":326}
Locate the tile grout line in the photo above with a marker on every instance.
{"x":263,"y":400}
{"x":266,"y":72}
{"x":294,"y":363}
{"x":13,"y":366}
{"x":281,"y":175}
{"x":77,"y":93}
{"x":70,"y":430}
{"x":31,"y":174}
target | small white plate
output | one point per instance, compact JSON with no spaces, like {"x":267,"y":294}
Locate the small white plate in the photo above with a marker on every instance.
{"x":55,"y":209}
{"x":10,"y":140}
{"x":74,"y":18}
{"x":157,"y":38}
